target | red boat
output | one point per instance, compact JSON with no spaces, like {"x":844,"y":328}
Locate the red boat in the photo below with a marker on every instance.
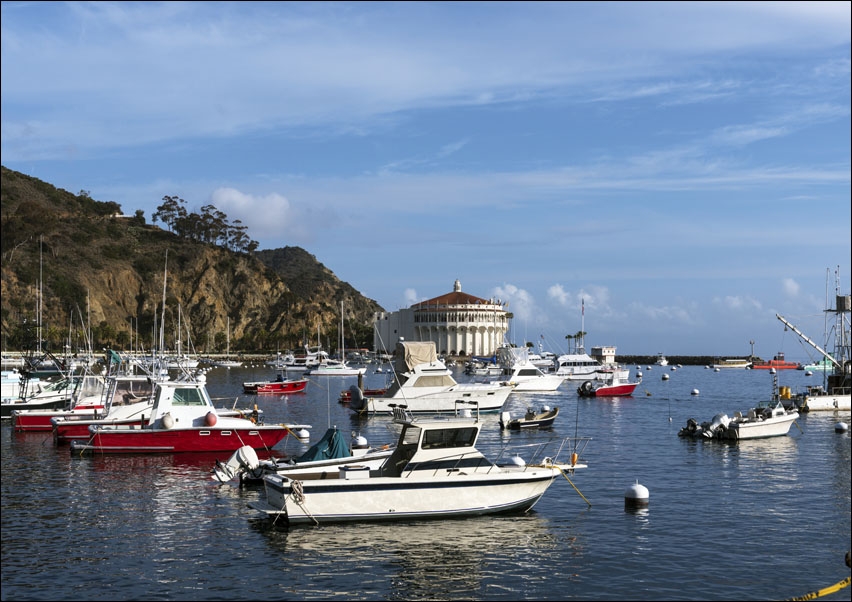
{"x":183,"y":419}
{"x":778,"y":362}
{"x":614,"y":388}
{"x":276,"y":386}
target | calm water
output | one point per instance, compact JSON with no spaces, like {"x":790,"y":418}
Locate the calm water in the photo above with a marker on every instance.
{"x":765,"y":519}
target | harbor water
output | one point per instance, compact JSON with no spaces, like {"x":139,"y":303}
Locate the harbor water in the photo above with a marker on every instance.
{"x":753,"y":520}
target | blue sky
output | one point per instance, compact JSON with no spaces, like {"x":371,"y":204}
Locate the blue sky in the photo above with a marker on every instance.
{"x":681,"y":168}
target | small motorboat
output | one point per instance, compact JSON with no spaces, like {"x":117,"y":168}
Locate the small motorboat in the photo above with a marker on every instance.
{"x":614,"y":388}
{"x":280,"y":385}
{"x":532,"y":419}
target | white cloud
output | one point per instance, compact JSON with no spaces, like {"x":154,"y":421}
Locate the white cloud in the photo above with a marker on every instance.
{"x":790,"y":287}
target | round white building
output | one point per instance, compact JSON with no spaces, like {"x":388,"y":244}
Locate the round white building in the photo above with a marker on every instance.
{"x":458,"y":324}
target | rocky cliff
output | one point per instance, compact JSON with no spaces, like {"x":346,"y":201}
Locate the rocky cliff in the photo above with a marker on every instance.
{"x":83,"y":266}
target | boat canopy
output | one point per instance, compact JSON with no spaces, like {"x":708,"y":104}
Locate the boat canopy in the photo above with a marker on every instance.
{"x":331,"y":446}
{"x":410,"y":354}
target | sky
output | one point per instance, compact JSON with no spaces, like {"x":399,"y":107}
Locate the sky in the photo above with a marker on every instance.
{"x":666,"y":177}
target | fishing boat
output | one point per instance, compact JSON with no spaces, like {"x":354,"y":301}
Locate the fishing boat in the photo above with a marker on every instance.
{"x":661,"y":360}
{"x":280,"y":385}
{"x":183,"y":419}
{"x":835,"y":393}
{"x":778,"y":363}
{"x":615,"y":387}
{"x":129,"y":400}
{"x":53,"y":393}
{"x":767,"y":419}
{"x":423,"y":383}
{"x":87,"y":400}
{"x":531,"y":420}
{"x":435,"y":472}
{"x":325,"y":457}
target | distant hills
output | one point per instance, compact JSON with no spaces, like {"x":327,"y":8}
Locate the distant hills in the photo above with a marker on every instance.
{"x":91,"y":266}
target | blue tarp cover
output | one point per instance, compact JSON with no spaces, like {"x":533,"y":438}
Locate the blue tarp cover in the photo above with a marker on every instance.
{"x":330,"y":446}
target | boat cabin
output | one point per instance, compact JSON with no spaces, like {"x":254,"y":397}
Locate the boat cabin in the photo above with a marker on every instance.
{"x":437,"y":444}
{"x":182,"y":403}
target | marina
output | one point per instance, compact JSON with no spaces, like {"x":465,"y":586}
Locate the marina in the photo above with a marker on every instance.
{"x":162,"y":528}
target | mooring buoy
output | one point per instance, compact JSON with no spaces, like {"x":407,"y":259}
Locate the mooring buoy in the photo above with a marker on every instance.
{"x":636,"y":496}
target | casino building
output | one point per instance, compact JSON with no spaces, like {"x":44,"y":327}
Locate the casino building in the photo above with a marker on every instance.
{"x":458,"y":324}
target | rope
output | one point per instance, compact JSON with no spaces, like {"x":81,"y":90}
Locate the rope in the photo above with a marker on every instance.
{"x":824,"y":592}
{"x":297,"y":492}
{"x":564,"y":474}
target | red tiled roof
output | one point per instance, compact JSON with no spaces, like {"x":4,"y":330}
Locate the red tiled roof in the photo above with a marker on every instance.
{"x":454,"y":298}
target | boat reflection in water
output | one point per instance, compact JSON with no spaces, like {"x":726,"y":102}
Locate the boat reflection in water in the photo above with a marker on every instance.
{"x":419,"y":560}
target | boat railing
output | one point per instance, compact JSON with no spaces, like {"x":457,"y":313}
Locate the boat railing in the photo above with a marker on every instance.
{"x":551,"y":449}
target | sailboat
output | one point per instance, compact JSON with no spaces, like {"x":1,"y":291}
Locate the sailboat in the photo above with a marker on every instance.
{"x":340,"y":367}
{"x":228,"y":362}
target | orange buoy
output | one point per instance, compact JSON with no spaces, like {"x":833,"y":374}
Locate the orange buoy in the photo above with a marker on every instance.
{"x":210,"y":419}
{"x":574,"y":459}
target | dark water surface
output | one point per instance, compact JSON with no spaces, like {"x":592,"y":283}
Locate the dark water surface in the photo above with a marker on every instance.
{"x":755,"y":520}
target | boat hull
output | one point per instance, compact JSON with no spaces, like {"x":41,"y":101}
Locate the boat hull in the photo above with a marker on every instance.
{"x":490,"y":399}
{"x":287,"y":386}
{"x":139,"y":439}
{"x":827,"y":402}
{"x":759,"y":430}
{"x":383,"y":499}
{"x":46,"y":404}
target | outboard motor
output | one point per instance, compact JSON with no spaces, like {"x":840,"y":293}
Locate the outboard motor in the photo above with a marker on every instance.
{"x":720,"y":421}
{"x":505,"y":417}
{"x":244,"y":459}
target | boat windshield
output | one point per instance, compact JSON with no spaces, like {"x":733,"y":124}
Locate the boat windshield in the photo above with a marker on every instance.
{"x":449,"y":438}
{"x":189,"y":396}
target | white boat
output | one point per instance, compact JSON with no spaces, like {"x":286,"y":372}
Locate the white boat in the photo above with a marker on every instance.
{"x":523,"y":374}
{"x":435,"y":472}
{"x":41,"y":394}
{"x":335,"y":368}
{"x":581,"y":366}
{"x":767,"y":419}
{"x":742,"y":364}
{"x":325,"y":457}
{"x":661,"y":360}
{"x":423,"y":383}
{"x":836,"y":391}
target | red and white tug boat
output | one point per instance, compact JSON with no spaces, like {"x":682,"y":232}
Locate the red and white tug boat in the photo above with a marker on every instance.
{"x":183,"y":419}
{"x":616,"y":387}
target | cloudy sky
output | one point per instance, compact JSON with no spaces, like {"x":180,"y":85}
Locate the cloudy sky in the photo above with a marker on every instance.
{"x":680,"y":169}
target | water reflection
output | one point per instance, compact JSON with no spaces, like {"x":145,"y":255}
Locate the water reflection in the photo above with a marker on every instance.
{"x":443,"y":559}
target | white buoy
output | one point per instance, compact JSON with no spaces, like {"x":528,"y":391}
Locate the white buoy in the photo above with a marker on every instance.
{"x":638,"y":375}
{"x":636,"y":496}
{"x":841,"y":427}
{"x":717,"y":370}
{"x":809,"y":373}
{"x":665,"y":376}
{"x":302,"y":434}
{"x":695,"y":392}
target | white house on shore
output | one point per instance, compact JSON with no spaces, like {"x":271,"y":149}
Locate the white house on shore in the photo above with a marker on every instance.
{"x":458,"y":324}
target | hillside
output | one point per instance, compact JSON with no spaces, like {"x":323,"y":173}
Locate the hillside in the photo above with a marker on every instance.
{"x":104,"y":272}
